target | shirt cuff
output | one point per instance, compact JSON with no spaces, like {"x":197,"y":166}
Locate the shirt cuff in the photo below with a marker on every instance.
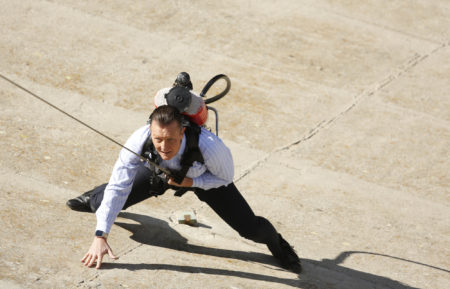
{"x":103,"y":225}
{"x":197,"y":182}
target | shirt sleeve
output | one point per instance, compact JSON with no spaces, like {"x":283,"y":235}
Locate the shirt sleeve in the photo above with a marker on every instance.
{"x":121,"y":181}
{"x":218,"y":162}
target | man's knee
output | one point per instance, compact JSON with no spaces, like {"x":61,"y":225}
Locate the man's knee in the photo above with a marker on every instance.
{"x":260,"y":231}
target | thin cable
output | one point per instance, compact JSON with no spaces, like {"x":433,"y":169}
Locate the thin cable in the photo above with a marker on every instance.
{"x":85,"y":124}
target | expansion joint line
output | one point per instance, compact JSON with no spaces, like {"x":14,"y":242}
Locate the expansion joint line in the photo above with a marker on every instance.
{"x":401,"y":70}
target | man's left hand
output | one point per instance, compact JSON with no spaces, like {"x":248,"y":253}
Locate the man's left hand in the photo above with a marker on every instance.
{"x":187,"y":182}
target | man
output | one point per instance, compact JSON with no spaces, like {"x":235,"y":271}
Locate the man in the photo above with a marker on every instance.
{"x":199,"y":161}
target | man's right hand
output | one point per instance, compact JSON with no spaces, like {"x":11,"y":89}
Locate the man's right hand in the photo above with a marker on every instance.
{"x":98,"y":249}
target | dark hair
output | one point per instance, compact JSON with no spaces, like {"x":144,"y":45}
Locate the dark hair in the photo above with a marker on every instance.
{"x":165,"y":114}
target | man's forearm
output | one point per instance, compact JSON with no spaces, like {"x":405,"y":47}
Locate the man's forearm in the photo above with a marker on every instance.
{"x":112,"y":203}
{"x":186,"y":183}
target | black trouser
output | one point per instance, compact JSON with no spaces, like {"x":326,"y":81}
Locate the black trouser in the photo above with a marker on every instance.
{"x":226,"y":201}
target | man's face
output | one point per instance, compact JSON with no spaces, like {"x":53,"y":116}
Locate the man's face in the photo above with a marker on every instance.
{"x":167,"y":138}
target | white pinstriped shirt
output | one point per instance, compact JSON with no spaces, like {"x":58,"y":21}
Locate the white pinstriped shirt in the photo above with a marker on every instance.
{"x":218,"y":170}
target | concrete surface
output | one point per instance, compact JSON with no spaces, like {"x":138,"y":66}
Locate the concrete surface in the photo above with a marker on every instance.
{"x":338,"y":119}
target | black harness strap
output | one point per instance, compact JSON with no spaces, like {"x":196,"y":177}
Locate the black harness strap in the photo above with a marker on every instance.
{"x":191,"y":152}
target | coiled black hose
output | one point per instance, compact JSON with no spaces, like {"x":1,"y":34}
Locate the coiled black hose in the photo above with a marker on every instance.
{"x":210,"y":83}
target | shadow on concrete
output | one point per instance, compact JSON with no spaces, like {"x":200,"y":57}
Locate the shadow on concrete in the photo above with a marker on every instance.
{"x":210,"y":271}
{"x":317,"y":274}
{"x":155,"y":232}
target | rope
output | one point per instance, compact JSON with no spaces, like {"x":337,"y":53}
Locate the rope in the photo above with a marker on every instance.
{"x":143,"y":159}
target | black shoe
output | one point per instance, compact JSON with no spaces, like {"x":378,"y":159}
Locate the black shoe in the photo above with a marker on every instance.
{"x":288,"y":258}
{"x":81,"y":203}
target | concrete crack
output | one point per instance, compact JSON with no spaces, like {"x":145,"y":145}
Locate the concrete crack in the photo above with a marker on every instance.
{"x":129,"y":250}
{"x":391,"y":77}
{"x":410,"y":64}
{"x":90,"y":279}
{"x":97,"y":274}
{"x":252,"y":167}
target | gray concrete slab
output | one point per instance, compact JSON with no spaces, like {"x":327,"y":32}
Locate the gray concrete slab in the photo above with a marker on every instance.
{"x":338,"y":120}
